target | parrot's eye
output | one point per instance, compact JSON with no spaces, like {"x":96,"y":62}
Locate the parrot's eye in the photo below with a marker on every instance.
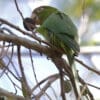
{"x":29,"y":24}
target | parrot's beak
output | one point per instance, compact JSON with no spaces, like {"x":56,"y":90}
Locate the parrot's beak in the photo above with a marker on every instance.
{"x":29,"y":24}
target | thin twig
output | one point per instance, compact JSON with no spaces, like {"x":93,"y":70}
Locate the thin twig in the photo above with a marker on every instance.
{"x":33,"y":68}
{"x":16,"y":4}
{"x":87,"y":67}
{"x":6,"y":67}
{"x":8,"y":30}
{"x":15,"y":85}
{"x":82,"y":91}
{"x":14,"y":67}
{"x":30,"y":53}
{"x":3,"y":53}
{"x":93,"y":86}
{"x":12,"y":74}
{"x":50,"y":81}
{"x":62,"y":85}
{"x":24,"y":83}
{"x":46,"y":79}
{"x":89,"y":93}
{"x":10,"y":60}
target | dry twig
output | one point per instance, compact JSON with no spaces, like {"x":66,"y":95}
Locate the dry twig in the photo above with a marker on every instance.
{"x":87,"y":67}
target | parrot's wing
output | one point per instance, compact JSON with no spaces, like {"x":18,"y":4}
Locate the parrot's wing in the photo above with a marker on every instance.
{"x":60,"y":23}
{"x":59,"y":30}
{"x":69,"y":45}
{"x":69,"y":42}
{"x":61,"y":42}
{"x":62,"y":38}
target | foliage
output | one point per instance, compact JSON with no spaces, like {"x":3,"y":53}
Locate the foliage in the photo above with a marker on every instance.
{"x":79,"y":7}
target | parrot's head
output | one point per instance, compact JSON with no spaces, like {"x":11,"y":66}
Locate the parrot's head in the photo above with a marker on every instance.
{"x":39,"y":15}
{"x":29,"y":24}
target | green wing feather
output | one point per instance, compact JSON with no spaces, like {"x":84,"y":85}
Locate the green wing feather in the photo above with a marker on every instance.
{"x":61,"y":32}
{"x":61,"y":23}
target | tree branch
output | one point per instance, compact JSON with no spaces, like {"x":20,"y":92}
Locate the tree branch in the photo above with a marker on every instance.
{"x":10,"y":95}
{"x":87,"y":67}
{"x":47,"y":85}
{"x":24,"y":42}
{"x":16,"y":4}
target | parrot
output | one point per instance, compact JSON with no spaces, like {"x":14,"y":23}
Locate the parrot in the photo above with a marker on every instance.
{"x":57,"y":28}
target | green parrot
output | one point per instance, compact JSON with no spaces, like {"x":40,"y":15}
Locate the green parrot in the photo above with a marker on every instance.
{"x":57,"y":28}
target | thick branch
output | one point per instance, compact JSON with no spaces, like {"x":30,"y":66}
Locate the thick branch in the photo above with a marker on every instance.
{"x":10,"y":95}
{"x":24,"y":42}
{"x":25,"y":33}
